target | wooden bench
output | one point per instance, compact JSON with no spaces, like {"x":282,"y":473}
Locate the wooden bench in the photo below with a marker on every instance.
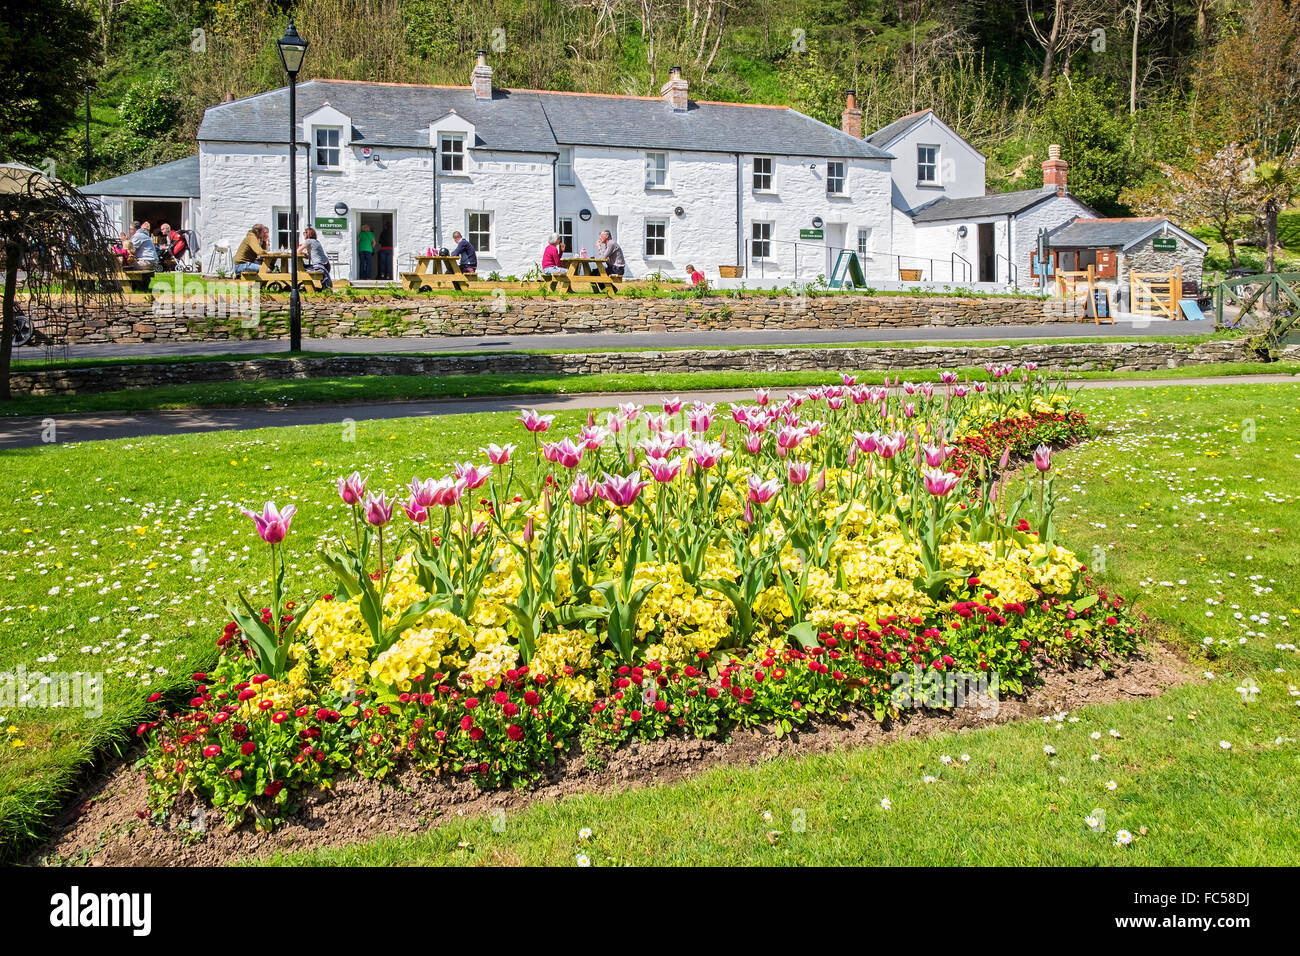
{"x":275,"y":274}
{"x":591,"y":275}
{"x":437,"y":272}
{"x":137,"y":280}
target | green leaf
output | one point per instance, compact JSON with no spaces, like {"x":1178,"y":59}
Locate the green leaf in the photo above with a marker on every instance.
{"x":805,"y":632}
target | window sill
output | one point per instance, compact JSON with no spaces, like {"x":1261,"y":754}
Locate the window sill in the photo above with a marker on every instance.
{"x":327,"y":169}
{"x":920,"y":185}
{"x":659,"y":189}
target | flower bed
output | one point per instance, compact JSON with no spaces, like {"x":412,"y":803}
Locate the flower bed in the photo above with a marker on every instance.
{"x":677,"y":571}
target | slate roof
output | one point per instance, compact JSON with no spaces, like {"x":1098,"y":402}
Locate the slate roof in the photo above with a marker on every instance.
{"x":535,"y":121}
{"x":979,"y":207}
{"x":178,"y":179}
{"x":887,"y":134}
{"x":1114,"y":233}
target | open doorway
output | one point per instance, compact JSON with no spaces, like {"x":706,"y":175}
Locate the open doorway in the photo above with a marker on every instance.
{"x":156,"y":212}
{"x":988,"y":257}
{"x":379,"y":263}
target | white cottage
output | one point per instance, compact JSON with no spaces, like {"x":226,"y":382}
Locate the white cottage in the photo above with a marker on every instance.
{"x":677,"y":181}
{"x":946,"y":227}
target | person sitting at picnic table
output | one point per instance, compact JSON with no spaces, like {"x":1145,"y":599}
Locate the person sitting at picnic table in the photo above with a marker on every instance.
{"x":166,"y":238}
{"x":317,"y":261}
{"x":612,"y":253}
{"x":123,"y":248}
{"x":365,"y":251}
{"x":248,"y":258}
{"x":468,"y":254}
{"x":696,"y":276}
{"x":146,"y":253}
{"x":552,"y":264}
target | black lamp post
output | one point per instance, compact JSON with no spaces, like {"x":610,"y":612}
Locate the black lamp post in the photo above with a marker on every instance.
{"x":292,"y":49}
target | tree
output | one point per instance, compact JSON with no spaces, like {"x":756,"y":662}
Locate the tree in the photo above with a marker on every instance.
{"x":46,"y":47}
{"x":45,"y":223}
{"x":1216,"y":192}
{"x":1275,"y":186}
{"x":1065,"y":28}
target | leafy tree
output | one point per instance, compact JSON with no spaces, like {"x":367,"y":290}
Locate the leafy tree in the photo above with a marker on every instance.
{"x":1275,"y":186}
{"x":1215,"y":191}
{"x":46,"y":47}
{"x":1096,"y":137}
{"x":45,"y":224}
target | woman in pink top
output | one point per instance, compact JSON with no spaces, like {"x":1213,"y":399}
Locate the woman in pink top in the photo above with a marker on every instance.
{"x":551,"y":261}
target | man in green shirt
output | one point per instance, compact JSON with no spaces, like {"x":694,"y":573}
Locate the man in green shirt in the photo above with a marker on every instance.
{"x":365,"y":252}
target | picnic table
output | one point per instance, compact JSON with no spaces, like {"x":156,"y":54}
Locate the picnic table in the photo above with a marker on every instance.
{"x":436,"y":272}
{"x":274,"y":272}
{"x":137,"y":280}
{"x":591,"y":274}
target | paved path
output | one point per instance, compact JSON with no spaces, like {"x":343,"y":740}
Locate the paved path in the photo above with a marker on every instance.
{"x":24,"y":432}
{"x":596,"y":341}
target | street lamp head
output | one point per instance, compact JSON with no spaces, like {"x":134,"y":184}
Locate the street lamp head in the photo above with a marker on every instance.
{"x":292,"y":49}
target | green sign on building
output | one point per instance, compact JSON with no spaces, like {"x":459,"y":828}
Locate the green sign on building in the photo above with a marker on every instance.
{"x":1164,"y":244}
{"x":331,"y":225}
{"x":811,"y":234}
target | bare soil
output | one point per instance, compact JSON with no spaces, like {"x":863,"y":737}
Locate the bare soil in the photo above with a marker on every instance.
{"x":103,"y":826}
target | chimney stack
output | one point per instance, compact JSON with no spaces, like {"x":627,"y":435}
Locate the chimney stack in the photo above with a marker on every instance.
{"x":851,"y":118}
{"x":674,"y":91}
{"x":1054,"y":169}
{"x":481,"y":78}
{"x":230,"y":98}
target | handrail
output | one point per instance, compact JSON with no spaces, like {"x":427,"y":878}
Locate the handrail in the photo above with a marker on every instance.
{"x":967,"y":273}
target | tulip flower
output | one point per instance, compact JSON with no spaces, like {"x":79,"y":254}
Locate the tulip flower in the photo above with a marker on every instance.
{"x":614,"y":423}
{"x":583,"y":490}
{"x":273,"y":523}
{"x":936,"y":455}
{"x":1043,"y":457}
{"x":948,"y":378}
{"x":535,"y":422}
{"x":352,"y":489}
{"x":797,"y":472}
{"x":378,"y":509}
{"x":472,"y":474}
{"x":887,"y":446}
{"x":663,"y":471}
{"x":564,"y":453}
{"x":447,"y":492}
{"x":592,"y":437}
{"x":848,"y":379}
{"x":938,"y":482}
{"x":761,"y":492}
{"x":866,"y":441}
{"x":762,"y":395}
{"x":630,"y":411}
{"x":700,"y":417}
{"x":416,"y":512}
{"x":927,"y":389}
{"x":706,"y":454}
{"x":754,"y":443}
{"x":620,"y":490}
{"x":499,"y":454}
{"x":422,"y":492}
{"x":672,"y":406}
{"x":656,"y":447}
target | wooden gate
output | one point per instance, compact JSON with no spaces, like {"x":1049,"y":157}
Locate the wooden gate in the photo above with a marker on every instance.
{"x":1156,"y":293}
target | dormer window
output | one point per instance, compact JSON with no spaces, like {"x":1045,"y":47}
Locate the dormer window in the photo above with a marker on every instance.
{"x":327,"y":147}
{"x":451,"y":147}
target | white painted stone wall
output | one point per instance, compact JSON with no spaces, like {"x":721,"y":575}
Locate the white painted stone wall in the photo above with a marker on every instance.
{"x":934,"y":246}
{"x":961,"y":166}
{"x":246,"y":183}
{"x":1049,"y":215}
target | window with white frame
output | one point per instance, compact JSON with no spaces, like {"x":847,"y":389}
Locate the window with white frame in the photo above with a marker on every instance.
{"x":656,"y":238}
{"x":656,"y":170}
{"x":927,"y":164}
{"x":478,"y":229}
{"x":566,"y":232}
{"x":564,"y":167}
{"x":283,"y":239}
{"x":835,"y":178}
{"x":864,"y":242}
{"x":763,"y":173}
{"x":327,"y":147}
{"x":760,"y":240}
{"x":451,"y":146}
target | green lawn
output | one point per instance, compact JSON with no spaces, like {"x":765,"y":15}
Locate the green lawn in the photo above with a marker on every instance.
{"x":114,"y":558}
{"x":385,"y":388}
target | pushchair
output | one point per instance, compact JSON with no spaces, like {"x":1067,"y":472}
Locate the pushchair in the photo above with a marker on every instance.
{"x":183,"y":253}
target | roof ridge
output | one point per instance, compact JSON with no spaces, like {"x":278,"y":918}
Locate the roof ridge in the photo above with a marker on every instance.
{"x":539,"y":92}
